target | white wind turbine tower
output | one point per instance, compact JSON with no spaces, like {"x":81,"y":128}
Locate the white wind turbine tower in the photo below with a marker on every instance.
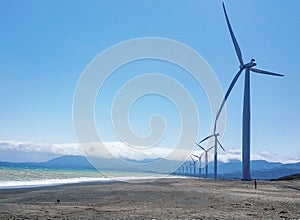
{"x":206,"y":158}
{"x":248,"y":67}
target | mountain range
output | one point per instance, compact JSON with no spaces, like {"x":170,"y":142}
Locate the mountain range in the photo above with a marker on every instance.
{"x":260,"y":169}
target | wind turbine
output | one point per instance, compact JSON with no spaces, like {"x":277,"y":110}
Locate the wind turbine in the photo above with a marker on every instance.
{"x":194,"y":163}
{"x":199,"y":157}
{"x":248,"y":67}
{"x":206,"y":158}
{"x":190,"y":164}
{"x":186,"y":168}
{"x":181,"y":169}
{"x":216,"y":143}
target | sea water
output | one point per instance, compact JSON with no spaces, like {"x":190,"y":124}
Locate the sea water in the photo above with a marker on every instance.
{"x":16,"y":177}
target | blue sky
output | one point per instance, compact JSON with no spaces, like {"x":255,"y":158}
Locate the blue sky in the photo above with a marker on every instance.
{"x":45,"y":46}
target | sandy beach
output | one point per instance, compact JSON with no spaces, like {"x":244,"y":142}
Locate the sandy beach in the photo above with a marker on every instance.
{"x":160,"y":199}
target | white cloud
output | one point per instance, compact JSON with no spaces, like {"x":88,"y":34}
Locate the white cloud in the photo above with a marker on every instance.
{"x":120,"y":150}
{"x":232,"y":154}
{"x":28,"y":147}
{"x":104,"y":150}
{"x":264,"y":155}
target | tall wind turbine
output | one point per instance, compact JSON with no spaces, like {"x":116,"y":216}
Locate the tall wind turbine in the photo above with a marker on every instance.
{"x":206,"y":158}
{"x":248,"y":67}
{"x":216,"y":144}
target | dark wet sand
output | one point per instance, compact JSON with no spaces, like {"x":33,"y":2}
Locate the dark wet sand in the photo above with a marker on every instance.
{"x":161,"y":199}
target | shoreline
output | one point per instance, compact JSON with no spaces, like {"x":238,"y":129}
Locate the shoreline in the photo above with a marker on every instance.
{"x":171,"y":198}
{"x":70,"y":181}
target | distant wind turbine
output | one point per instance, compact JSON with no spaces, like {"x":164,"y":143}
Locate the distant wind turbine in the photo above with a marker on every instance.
{"x":216,"y":143}
{"x":190,"y":164}
{"x":199,"y":157}
{"x":194,"y":164}
{"x":186,"y":168}
{"x":181,"y":169}
{"x":248,"y":67}
{"x":206,"y":158}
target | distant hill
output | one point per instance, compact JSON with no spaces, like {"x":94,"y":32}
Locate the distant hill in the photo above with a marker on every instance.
{"x":290,"y":177}
{"x":260,"y":169}
{"x":72,"y":162}
{"x":236,"y":166}
{"x":62,"y":162}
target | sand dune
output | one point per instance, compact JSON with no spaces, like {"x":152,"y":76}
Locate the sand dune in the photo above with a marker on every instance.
{"x":161,"y":199}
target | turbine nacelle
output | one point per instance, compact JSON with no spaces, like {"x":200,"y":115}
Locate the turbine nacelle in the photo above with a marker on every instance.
{"x":252,"y":63}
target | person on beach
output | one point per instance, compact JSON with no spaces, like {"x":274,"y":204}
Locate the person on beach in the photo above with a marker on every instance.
{"x":255,"y":184}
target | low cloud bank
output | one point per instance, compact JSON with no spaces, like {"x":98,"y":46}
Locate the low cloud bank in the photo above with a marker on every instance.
{"x":15,"y":149}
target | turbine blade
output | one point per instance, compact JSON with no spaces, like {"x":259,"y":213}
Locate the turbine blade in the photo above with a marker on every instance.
{"x":265,"y":72}
{"x":228,"y":91}
{"x":235,"y":43}
{"x":196,"y":156}
{"x":210,"y":148}
{"x":200,"y":146}
{"x":206,"y":138}
{"x":220,"y":145}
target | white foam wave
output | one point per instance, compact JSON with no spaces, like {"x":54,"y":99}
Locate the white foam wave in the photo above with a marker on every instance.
{"x":49,"y":182}
{"x":55,"y":182}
